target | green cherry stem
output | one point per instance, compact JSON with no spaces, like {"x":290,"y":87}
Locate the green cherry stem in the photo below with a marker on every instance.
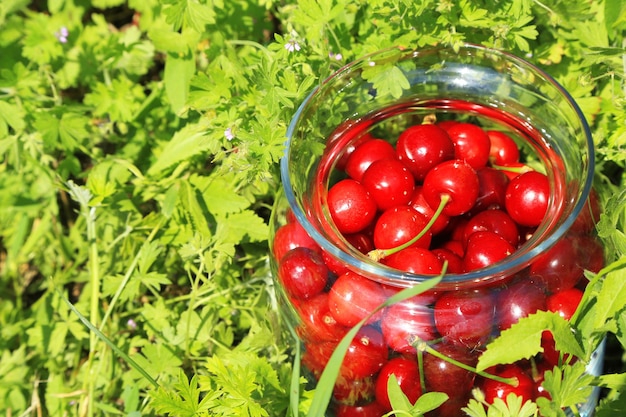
{"x":422,"y":346}
{"x":378,"y":254}
{"x":516,"y":169}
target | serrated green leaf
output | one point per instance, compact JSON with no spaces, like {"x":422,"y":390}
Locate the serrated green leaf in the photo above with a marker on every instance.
{"x":387,"y":80}
{"x":219,"y":194}
{"x":612,"y":297}
{"x":10,"y":117}
{"x":185,"y":401}
{"x":245,"y":224}
{"x":187,"y":142}
{"x":525,"y":335}
{"x":568,"y":386}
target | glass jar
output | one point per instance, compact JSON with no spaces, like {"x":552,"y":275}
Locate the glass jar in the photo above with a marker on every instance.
{"x":326,"y":278}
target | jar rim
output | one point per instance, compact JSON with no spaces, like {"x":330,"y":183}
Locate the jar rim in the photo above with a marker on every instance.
{"x":512,"y":263}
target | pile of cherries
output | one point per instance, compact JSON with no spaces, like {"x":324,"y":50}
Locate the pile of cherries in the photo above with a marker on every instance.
{"x":450,"y":193}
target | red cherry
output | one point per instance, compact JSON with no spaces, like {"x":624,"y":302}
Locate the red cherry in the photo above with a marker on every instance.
{"x":447,"y":124}
{"x":471,"y":144}
{"x":353,"y":297}
{"x":454,"y":261}
{"x":492,"y":189}
{"x":399,"y":225}
{"x":407,"y":321}
{"x":496,"y":389}
{"x":350,"y":205}
{"x":565,"y":302}
{"x":550,"y":354}
{"x":421,"y":147}
{"x":291,"y":236}
{"x":354,"y":391}
{"x":373,"y":409}
{"x":589,"y":215}
{"x":590,"y":252}
{"x":455,"y":246}
{"x":503,"y":149}
{"x":465,"y":318}
{"x":457,"y":229}
{"x":316,"y":356}
{"x":303,"y":273}
{"x":518,"y":300}
{"x":526,"y":198}
{"x":346,"y":138}
{"x":485,"y":248}
{"x":317,"y":322}
{"x":389,"y":182}
{"x":366,"y":354}
{"x":456,"y":180}
{"x":419,"y":203}
{"x":415,"y":260}
{"x":558,"y":268}
{"x":496,"y":221}
{"x":360,"y":241}
{"x":364,"y":154}
{"x":406,"y":372}
{"x":442,"y":376}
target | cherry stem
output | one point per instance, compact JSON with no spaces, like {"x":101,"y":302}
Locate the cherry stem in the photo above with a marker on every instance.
{"x":517,"y":169}
{"x":378,"y":254}
{"x":430,"y":119}
{"x":422,"y":346}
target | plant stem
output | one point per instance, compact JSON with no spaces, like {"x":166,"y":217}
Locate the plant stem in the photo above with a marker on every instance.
{"x":94,"y":279}
{"x":422,"y":346}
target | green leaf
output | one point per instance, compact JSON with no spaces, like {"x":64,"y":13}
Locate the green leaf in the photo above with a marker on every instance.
{"x":245,"y":224}
{"x":187,"y":142}
{"x":193,"y":14}
{"x":397,"y":397}
{"x":612,"y":406}
{"x":118,"y":100}
{"x":614,"y":16}
{"x":157,"y":359}
{"x":10,"y":117}
{"x":612,"y":296}
{"x":387,"y":80}
{"x":612,"y":381}
{"x":525,"y":335}
{"x":179,"y":69}
{"x":568,"y":386}
{"x":184,"y":402}
{"x":219,"y":194}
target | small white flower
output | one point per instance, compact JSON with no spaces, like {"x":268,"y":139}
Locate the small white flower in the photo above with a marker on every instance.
{"x":62,"y":34}
{"x":292,"y":45}
{"x":131,"y":324}
{"x":336,"y":56}
{"x":228,"y":134}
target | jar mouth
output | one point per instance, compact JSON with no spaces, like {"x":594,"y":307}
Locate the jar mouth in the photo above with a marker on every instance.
{"x":548,"y":232}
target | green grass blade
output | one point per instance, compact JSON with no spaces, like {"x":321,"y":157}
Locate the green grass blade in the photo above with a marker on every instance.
{"x":109,"y":342}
